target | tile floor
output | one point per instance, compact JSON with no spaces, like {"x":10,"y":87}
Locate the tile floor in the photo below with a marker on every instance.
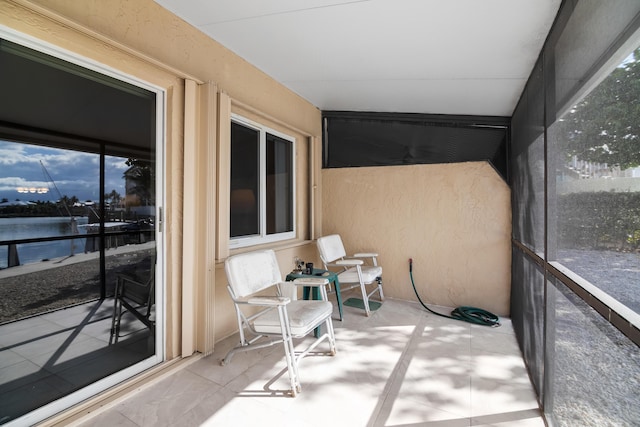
{"x":45,"y":357}
{"x":403,"y":366}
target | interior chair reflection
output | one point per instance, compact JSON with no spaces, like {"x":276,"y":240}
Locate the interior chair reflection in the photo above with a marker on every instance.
{"x":135,"y":293}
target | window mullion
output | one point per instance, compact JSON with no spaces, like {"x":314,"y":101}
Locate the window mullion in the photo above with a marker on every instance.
{"x":263,"y":183}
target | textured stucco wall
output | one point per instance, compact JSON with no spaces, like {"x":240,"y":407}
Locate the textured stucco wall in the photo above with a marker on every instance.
{"x":454,"y":220}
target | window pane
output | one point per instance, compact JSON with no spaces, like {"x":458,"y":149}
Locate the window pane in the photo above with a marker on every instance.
{"x":527,"y":299}
{"x":597,"y":173}
{"x":527,"y":165}
{"x":596,"y":369}
{"x":129,"y":211}
{"x":245,"y":181}
{"x":42,"y":197}
{"x":279,"y":192}
{"x":57,"y":306}
{"x":592,"y":29}
{"x":62,"y":250}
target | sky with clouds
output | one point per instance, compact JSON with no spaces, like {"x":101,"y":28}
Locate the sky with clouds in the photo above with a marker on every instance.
{"x":74,"y":173}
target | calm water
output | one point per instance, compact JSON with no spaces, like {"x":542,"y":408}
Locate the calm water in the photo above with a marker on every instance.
{"x":34,"y":227}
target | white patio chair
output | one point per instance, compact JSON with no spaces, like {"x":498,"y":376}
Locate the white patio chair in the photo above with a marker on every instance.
{"x":275,"y":315}
{"x":353,"y":271}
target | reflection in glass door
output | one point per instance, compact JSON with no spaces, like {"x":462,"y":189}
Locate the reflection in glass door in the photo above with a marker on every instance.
{"x":77,"y":271}
{"x":79,"y":248}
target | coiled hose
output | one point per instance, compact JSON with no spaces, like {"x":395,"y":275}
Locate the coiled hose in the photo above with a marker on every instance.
{"x":473,"y":315}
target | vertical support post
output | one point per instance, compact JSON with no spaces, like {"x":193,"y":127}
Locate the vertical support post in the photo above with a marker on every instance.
{"x":191,"y":256}
{"x":13,"y":260}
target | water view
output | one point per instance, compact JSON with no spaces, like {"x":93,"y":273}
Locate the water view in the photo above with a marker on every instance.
{"x":20,"y":228}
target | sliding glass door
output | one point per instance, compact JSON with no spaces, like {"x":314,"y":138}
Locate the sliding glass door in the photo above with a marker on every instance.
{"x":80,"y":251}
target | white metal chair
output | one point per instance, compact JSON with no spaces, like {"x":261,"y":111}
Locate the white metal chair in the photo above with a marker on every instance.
{"x":276,"y":314}
{"x":354,"y":273}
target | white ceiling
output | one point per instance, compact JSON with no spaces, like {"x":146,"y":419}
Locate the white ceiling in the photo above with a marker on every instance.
{"x":417,"y":56}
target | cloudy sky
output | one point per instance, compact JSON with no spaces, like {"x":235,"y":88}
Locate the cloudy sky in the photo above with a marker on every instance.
{"x":74,"y":173}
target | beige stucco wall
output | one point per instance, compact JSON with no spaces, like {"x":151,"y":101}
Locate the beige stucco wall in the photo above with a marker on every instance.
{"x":454,"y":220}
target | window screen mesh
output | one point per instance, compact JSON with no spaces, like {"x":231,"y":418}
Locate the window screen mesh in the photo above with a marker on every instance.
{"x":377,"y":139}
{"x":557,"y":329}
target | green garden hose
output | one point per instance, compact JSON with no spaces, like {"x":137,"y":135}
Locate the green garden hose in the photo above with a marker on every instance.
{"x":473,"y":315}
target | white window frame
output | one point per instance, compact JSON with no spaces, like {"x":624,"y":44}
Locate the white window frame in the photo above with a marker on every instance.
{"x":263,"y":237}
